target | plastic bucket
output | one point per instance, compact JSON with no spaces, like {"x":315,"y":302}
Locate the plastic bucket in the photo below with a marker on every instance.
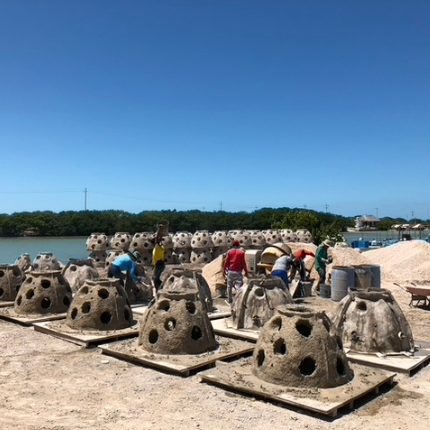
{"x":342,"y":278}
{"x":363,"y":277}
{"x":375,"y":276}
{"x":325,"y":291}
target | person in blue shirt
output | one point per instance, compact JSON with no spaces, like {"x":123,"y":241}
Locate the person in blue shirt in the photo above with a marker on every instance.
{"x":125,"y":265}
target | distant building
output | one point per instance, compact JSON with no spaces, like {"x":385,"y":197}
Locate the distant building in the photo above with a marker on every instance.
{"x":366,"y":223}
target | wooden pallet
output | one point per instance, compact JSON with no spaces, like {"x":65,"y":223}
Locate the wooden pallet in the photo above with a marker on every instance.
{"x":397,"y":363}
{"x":224,"y":327}
{"x":86,"y":338}
{"x":182,"y":365}
{"x":326,"y":401}
{"x":9,"y":314}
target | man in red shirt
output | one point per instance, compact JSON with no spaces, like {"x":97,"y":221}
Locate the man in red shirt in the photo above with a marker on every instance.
{"x":299,"y":265}
{"x":234,"y":265}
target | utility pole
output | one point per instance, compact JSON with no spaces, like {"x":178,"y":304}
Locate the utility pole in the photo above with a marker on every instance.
{"x":376,"y":210}
{"x":326,"y":207}
{"x":220,"y":206}
{"x":85,"y":199}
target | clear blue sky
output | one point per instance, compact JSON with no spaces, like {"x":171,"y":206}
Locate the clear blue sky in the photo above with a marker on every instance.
{"x":215,"y":104}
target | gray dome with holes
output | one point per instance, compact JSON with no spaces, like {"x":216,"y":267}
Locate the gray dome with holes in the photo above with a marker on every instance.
{"x":177,"y":323}
{"x":43,"y":293}
{"x":100,"y":304}
{"x":11,"y":278}
{"x":300,"y":348}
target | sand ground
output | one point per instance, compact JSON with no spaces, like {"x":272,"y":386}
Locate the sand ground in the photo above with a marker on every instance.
{"x":48,"y":383}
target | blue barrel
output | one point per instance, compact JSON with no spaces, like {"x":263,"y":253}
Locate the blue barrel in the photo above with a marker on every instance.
{"x":342,"y":278}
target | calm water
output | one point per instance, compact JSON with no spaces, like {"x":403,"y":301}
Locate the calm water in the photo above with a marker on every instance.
{"x":62,"y":247}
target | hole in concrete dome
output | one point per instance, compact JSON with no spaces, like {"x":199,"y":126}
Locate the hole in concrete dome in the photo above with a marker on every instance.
{"x":196,"y":333}
{"x":73,"y":268}
{"x":29,"y":294}
{"x":279,"y":347}
{"x":19,"y":300}
{"x":304,"y":328}
{"x":29,"y":280}
{"x":36,"y":266}
{"x":361,"y":306}
{"x":66,"y":301}
{"x":105,"y":317}
{"x":307,"y":366}
{"x":74,"y":313}
{"x":86,"y":307}
{"x":259,"y":292}
{"x":153,"y":336}
{"x":170,"y":324}
{"x":46,"y":283}
{"x":84,"y":290}
{"x":17,"y":287}
{"x":261,"y":356}
{"x":16,"y":271}
{"x":1,"y":292}
{"x":126,"y":314}
{"x":163,"y":305}
{"x":340,"y":367}
{"x":190,"y":307}
{"x":339,"y":342}
{"x":103,"y":293}
{"x":1,"y":273}
{"x":45,"y":303}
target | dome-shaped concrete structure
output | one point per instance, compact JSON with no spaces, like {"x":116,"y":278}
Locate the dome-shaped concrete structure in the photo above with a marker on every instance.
{"x":372,"y":322}
{"x":45,"y":261}
{"x":45,"y":292}
{"x":300,"y":348}
{"x":11,"y":277}
{"x":177,"y":322}
{"x":100,"y":305}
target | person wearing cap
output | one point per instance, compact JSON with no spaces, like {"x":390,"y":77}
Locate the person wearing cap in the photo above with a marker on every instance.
{"x":158,"y":262}
{"x":321,"y":261}
{"x":234,"y":266}
{"x":281,"y":268}
{"x":298,"y":265}
{"x":124,"y":265}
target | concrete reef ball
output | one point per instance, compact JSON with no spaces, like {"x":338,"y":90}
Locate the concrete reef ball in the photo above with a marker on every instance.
{"x":11,"y":278}
{"x":97,"y":242}
{"x":177,"y":323}
{"x":100,"y":304}
{"x":46,"y":261}
{"x":372,"y":321}
{"x":300,"y":348}
{"x":43,"y":293}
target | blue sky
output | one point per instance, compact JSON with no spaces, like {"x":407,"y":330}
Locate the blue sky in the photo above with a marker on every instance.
{"x":215,"y":104}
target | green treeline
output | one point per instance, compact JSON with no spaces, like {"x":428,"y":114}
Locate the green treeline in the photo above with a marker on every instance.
{"x":83,"y":223}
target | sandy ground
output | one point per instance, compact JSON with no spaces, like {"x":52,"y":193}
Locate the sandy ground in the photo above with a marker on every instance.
{"x":48,"y":383}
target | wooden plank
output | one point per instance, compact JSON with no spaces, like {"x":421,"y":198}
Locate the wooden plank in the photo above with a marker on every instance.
{"x":326,"y":401}
{"x":182,"y":365}
{"x":6,"y":304}
{"x":225,"y":327}
{"x":85,"y":338}
{"x":10,"y":315}
{"x":397,"y":363}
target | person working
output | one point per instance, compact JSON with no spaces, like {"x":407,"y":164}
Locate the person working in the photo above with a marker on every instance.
{"x":281,"y":268}
{"x":125,"y":265}
{"x":234,"y":266}
{"x":298,"y":265}
{"x":158,"y":262}
{"x":322,"y":259}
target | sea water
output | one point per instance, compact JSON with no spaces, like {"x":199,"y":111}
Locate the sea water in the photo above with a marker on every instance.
{"x":63,"y":248}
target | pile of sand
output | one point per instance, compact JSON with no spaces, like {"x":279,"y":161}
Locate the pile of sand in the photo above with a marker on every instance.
{"x":402,"y":262}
